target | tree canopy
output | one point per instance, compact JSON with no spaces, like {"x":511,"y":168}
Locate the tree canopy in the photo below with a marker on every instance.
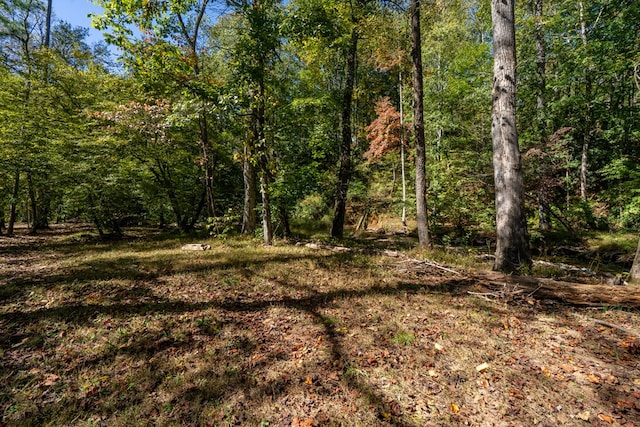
{"x":220,"y":110}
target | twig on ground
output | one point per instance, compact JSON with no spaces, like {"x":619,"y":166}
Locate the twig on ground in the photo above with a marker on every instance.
{"x":609,"y":325}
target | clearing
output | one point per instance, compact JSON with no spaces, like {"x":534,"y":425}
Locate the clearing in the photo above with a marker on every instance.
{"x":139,"y":332}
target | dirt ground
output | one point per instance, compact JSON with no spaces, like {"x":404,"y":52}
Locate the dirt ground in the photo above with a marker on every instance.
{"x":139,"y":332}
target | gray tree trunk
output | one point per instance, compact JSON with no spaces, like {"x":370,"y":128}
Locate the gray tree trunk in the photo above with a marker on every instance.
{"x":541,"y":125}
{"x":634,"y":274}
{"x":418,"y":126}
{"x":249,"y":209}
{"x":402,"y":157}
{"x":14,"y":203}
{"x":265,"y":178}
{"x":512,"y":251}
{"x":584,"y":158}
{"x":47,"y":34}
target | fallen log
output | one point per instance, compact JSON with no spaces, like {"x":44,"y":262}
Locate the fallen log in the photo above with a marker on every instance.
{"x":580,"y":294}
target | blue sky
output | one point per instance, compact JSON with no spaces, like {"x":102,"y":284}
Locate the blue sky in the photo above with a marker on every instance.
{"x":75,"y":12}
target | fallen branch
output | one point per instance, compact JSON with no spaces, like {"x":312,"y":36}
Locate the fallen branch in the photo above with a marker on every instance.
{"x":614,"y":326}
{"x":579,"y":294}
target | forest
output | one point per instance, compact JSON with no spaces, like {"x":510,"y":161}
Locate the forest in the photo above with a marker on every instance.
{"x":320,"y":212}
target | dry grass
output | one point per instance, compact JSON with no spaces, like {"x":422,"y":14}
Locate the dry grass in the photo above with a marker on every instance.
{"x":141,"y":333}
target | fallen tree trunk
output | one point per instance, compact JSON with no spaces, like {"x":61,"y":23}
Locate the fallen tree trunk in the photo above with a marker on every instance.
{"x":580,"y":294}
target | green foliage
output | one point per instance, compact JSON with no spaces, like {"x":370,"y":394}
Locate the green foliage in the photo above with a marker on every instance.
{"x":224,"y":225}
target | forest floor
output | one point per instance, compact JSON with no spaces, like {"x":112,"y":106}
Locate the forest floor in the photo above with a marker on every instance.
{"x":139,"y":332}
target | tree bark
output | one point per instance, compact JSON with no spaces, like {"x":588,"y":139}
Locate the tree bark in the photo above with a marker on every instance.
{"x":47,"y":33}
{"x":14,"y":203}
{"x":249,"y":177}
{"x":584,"y":157}
{"x":634,"y":274}
{"x":208,"y":170}
{"x":418,"y":126}
{"x":265,"y":178}
{"x":33,"y":205}
{"x":402,"y":157}
{"x":344,"y":174}
{"x":544,"y":224}
{"x":512,"y":249}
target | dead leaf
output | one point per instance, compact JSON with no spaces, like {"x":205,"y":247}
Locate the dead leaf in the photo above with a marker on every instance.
{"x":605,"y":418}
{"x":51,"y":379}
{"x":438,"y":346}
{"x":299,"y":422}
{"x":455,"y":408}
{"x":516,"y":393}
{"x":593,"y":379}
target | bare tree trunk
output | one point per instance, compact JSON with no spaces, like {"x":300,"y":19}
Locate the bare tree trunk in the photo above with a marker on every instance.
{"x":584,"y":158}
{"x":402,"y":158}
{"x":634,"y":274}
{"x":250,"y":202}
{"x":47,"y":34}
{"x":344,"y":174}
{"x":267,"y":227}
{"x":544,"y":223}
{"x":418,"y":126}
{"x":206,"y":164}
{"x":512,"y":251}
{"x":14,"y":203}
{"x":33,"y":205}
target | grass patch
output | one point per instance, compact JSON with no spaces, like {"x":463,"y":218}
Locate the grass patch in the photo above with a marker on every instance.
{"x":139,"y":332}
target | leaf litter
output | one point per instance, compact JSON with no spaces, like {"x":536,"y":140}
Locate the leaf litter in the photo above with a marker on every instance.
{"x":293,"y":336}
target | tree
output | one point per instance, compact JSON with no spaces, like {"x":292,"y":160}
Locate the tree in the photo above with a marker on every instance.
{"x":634,"y":274}
{"x":255,"y":55}
{"x":418,"y":126}
{"x":171,"y":48}
{"x":344,"y":173}
{"x":512,"y":248}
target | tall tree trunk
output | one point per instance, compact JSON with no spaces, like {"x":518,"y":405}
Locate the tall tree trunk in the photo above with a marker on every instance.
{"x":14,"y":203}
{"x":634,"y":274}
{"x":418,"y":126}
{"x":208,"y":170}
{"x":249,"y":176}
{"x":47,"y":33}
{"x":402,"y":157}
{"x":267,"y":227}
{"x":512,"y":251}
{"x":584,"y":158}
{"x":344,"y":174}
{"x":33,"y":205}
{"x":544,"y":223}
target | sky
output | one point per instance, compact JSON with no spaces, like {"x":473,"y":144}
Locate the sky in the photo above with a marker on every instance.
{"x":75,"y":12}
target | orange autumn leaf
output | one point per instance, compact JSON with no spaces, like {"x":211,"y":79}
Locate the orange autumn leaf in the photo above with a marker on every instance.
{"x":299,"y":422}
{"x":455,"y":408}
{"x":605,"y":418}
{"x":593,"y":379}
